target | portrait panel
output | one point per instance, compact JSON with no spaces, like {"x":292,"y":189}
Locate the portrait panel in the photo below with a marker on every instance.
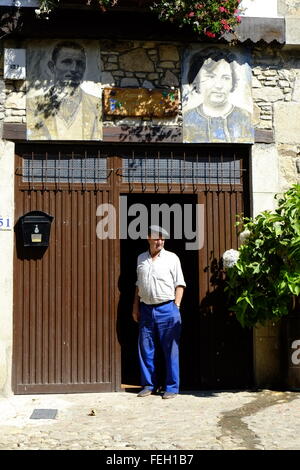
{"x":216,"y":95}
{"x":63,"y":90}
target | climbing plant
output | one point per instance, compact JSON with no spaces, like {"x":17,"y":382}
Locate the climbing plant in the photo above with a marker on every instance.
{"x":211,"y":18}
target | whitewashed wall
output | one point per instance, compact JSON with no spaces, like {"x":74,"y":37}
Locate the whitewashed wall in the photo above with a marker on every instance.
{"x":260,"y":8}
{"x":6,"y":271}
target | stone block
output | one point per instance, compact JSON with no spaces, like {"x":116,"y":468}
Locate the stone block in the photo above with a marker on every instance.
{"x":129,"y":82}
{"x":267,"y":94}
{"x":256,"y":115}
{"x":16,"y":119}
{"x":292,"y":25}
{"x":167,"y":65}
{"x":16,"y":100}
{"x":147,"y":84}
{"x":111,"y":66}
{"x":288,"y":173}
{"x":287,"y":122}
{"x":113,"y":59}
{"x":119,"y":73}
{"x":269,"y":73}
{"x":284,"y":83}
{"x":296,"y":91}
{"x":170,"y":79}
{"x":168,"y":52}
{"x":153,"y":76}
{"x":256,"y":83}
{"x":136,"y":60}
{"x":265,"y":125}
{"x":264,"y":168}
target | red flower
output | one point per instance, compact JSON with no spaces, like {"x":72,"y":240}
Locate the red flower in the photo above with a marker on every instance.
{"x":191,"y":14}
{"x":225,"y":25}
{"x":209,"y":34}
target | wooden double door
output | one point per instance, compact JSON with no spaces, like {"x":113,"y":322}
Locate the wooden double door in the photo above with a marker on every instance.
{"x":73,"y":330}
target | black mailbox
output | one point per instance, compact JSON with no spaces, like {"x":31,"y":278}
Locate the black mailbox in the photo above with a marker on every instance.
{"x":35,"y":228}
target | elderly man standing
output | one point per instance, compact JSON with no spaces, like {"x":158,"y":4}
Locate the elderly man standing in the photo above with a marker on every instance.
{"x":160,"y":287}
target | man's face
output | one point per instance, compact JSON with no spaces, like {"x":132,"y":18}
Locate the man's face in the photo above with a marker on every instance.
{"x":156,"y":242}
{"x":216,"y":83}
{"x":69,"y":66}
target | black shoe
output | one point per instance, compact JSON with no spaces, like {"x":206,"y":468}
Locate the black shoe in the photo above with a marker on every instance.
{"x":158,"y":390}
{"x":167,"y":395}
{"x":144,"y":393}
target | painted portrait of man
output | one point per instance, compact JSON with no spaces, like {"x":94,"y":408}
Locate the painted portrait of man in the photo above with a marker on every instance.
{"x":59,"y":104}
{"x":216,"y":98}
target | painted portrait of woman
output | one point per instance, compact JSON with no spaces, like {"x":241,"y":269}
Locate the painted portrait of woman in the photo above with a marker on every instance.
{"x":216,"y":97}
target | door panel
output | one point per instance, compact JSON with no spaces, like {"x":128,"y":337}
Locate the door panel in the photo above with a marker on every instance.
{"x":64,"y":331}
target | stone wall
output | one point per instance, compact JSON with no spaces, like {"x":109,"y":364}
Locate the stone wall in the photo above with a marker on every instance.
{"x":15,"y":101}
{"x":276,"y":91}
{"x":276,"y":94}
{"x":140,"y":64}
{"x":125,"y":64}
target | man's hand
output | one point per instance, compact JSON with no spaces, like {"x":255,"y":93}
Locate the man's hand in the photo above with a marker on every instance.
{"x":136,"y":315}
{"x":136,"y":306}
{"x":178,"y":295}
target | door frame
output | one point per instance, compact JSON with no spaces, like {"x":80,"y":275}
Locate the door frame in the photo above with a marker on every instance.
{"x":116,"y":186}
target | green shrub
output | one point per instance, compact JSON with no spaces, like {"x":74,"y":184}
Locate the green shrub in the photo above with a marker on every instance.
{"x":264,"y":281}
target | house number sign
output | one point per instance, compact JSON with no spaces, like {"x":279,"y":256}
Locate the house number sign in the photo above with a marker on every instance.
{"x":5,"y":223}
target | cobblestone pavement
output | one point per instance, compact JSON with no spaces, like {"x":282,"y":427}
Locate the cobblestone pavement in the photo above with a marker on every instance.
{"x":211,"y":420}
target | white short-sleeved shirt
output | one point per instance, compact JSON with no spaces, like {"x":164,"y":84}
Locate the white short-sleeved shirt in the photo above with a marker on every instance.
{"x":157,"y":280}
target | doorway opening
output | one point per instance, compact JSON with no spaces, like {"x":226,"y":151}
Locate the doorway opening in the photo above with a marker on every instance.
{"x":127,"y":328}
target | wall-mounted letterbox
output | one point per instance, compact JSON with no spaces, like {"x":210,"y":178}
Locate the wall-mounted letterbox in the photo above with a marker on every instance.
{"x":35,"y":228}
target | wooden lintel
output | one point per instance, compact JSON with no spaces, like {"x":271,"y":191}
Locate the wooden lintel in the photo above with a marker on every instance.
{"x":157,"y":134}
{"x":264,"y":136}
{"x":14,"y":131}
{"x":150,"y":134}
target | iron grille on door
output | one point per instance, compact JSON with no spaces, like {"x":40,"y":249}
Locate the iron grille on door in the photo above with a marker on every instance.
{"x":182,"y":169}
{"x":84,"y":168}
{"x":148,"y":166}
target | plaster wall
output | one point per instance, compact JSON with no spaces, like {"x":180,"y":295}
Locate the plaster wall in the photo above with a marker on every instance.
{"x":258,"y":8}
{"x":6,"y":269}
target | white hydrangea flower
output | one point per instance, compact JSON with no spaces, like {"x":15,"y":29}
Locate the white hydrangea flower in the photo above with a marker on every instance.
{"x":278,"y":228}
{"x":230,"y":258}
{"x":244,"y":235}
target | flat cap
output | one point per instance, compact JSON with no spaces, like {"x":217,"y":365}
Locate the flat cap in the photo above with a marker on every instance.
{"x":160,"y":230}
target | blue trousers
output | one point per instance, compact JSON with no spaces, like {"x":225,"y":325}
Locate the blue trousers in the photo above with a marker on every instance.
{"x":159,"y":325}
